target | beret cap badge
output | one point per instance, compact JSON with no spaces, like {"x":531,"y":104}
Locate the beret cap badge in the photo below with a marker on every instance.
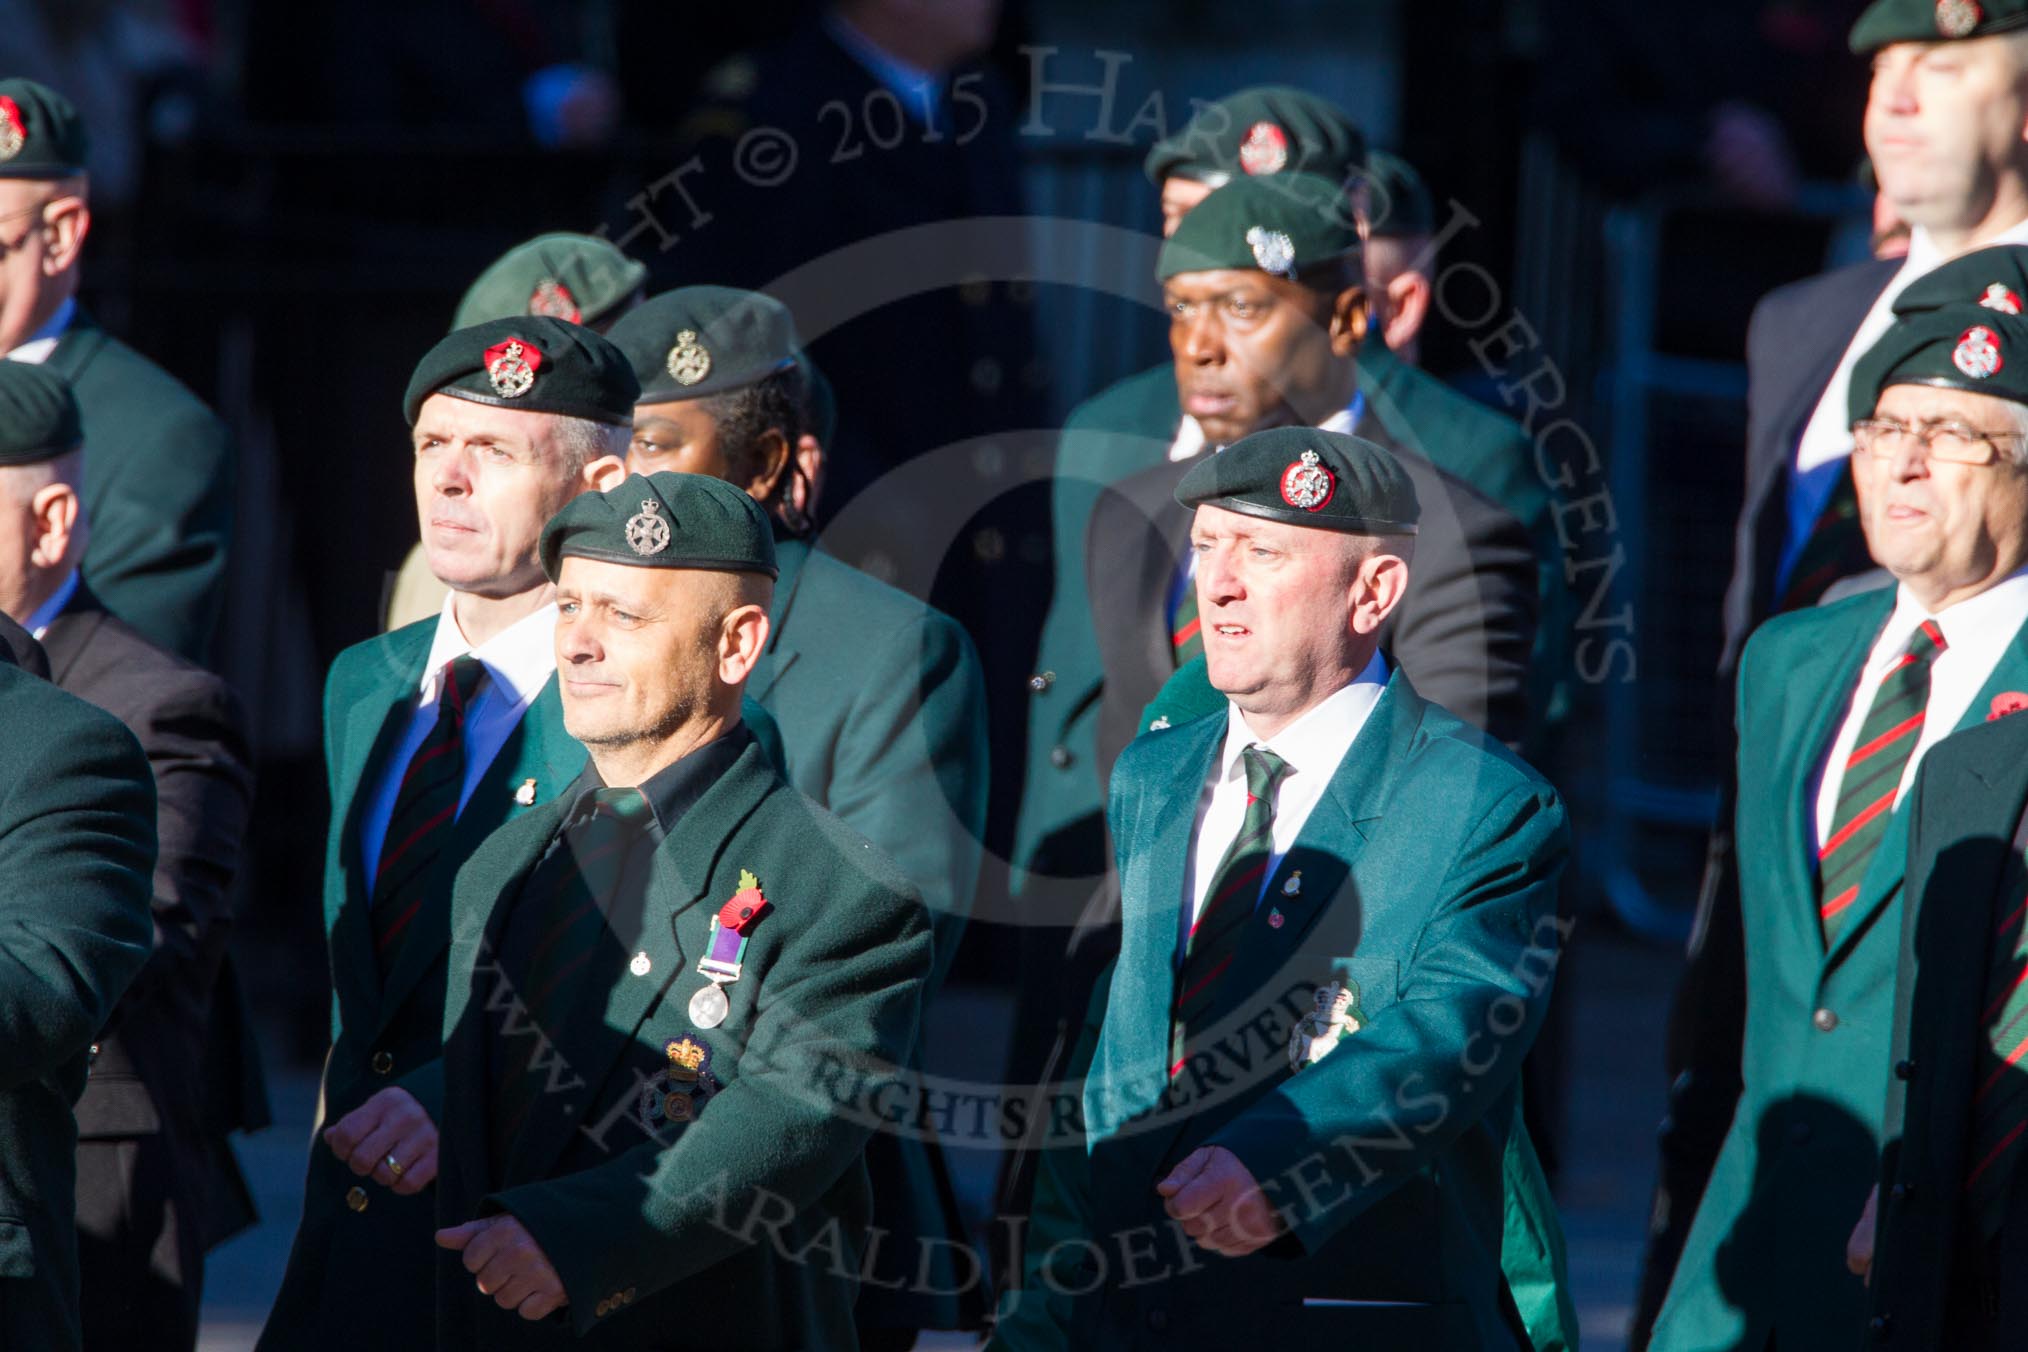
{"x":13,"y":131}
{"x":1957,"y":18}
{"x":1307,"y":484}
{"x":553,"y":298}
{"x":511,"y":367}
{"x":689,"y":361}
{"x":1274,"y":251}
{"x":1265,"y":149}
{"x":648,"y":529}
{"x":1978,"y":353}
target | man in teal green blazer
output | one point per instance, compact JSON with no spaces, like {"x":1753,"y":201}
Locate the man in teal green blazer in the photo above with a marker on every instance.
{"x":1139,"y":422}
{"x":879,"y":697}
{"x":1949,"y":1265}
{"x":489,"y":470}
{"x":159,"y":482}
{"x":1339,"y":930}
{"x":668,"y":988}
{"x":77,"y":833}
{"x":1837,"y":705}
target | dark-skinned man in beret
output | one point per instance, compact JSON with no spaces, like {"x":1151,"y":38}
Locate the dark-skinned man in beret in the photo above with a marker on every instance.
{"x":157,"y":1183}
{"x":1303,"y":1081}
{"x":1143,"y":424}
{"x":666,"y":982}
{"x":77,"y":815}
{"x":879,"y":698}
{"x":580,"y":278}
{"x":160,"y":490}
{"x":1838,"y":705}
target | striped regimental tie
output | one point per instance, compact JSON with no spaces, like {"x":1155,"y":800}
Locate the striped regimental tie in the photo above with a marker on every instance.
{"x":1215,"y":938}
{"x":2000,"y":1104}
{"x":561,"y":917}
{"x":1872,"y":777}
{"x":425,"y":807}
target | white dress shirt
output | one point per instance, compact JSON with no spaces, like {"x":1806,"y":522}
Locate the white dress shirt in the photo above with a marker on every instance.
{"x":1827,"y":437}
{"x":519,"y":661}
{"x":43,"y":341}
{"x":1976,"y":633}
{"x":39,"y":618}
{"x":1313,"y":746}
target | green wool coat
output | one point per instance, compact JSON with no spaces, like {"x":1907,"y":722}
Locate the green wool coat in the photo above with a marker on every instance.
{"x":1935,"y":1286}
{"x":745,"y":1228}
{"x":1128,"y":428}
{"x":1427,"y":875}
{"x":381,"y":1035}
{"x":882,"y":710}
{"x":1765,"y":1255}
{"x":158,"y":488}
{"x":77,"y":844}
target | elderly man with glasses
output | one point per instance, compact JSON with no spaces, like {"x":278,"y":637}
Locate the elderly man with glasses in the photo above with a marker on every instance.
{"x":1837,"y":705}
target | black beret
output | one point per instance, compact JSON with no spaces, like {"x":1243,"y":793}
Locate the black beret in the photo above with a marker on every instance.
{"x":1279,"y":225}
{"x":41,"y":134}
{"x":1966,"y":346}
{"x":581,"y":278}
{"x":1306,"y":477}
{"x":703,"y":340}
{"x":1996,"y":278}
{"x":533,"y":364}
{"x":664,"y":520}
{"x":1889,"y":21}
{"x":38,"y":414}
{"x":1397,"y":200}
{"x":1263,"y":130}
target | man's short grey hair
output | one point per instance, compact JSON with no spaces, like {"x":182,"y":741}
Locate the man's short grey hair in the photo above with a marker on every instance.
{"x":2015,"y":448}
{"x":579,"y":441}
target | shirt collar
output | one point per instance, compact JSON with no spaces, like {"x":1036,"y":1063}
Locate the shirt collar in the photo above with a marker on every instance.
{"x":1924,"y":256}
{"x":1317,"y":741}
{"x":1988,"y":620}
{"x":43,"y":341}
{"x":675,"y":788}
{"x":518,"y":660}
{"x":39,"y":619}
{"x":1190,"y":441}
{"x":912,"y":85}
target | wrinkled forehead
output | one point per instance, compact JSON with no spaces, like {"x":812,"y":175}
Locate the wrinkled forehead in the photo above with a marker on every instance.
{"x":1914,"y":402}
{"x":449,"y":418}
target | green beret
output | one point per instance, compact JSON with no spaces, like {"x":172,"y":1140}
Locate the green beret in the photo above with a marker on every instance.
{"x":1397,"y":200}
{"x":41,"y":134}
{"x":1889,"y":21}
{"x":581,"y":278}
{"x":1279,"y":225}
{"x":1264,"y":130}
{"x":703,"y":340}
{"x":1966,"y":346}
{"x":1996,"y":278}
{"x":664,"y":520}
{"x":38,"y":414}
{"x":532,"y":364}
{"x":1306,"y":477}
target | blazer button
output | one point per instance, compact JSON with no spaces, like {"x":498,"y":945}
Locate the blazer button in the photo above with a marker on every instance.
{"x":1158,"y":1320}
{"x":1060,"y":757}
{"x":1904,"y":1070}
{"x":1882,"y":1325}
{"x":627,"y":1296}
{"x":1041,"y":681}
{"x":1825,"y":1020}
{"x":603,"y":1308}
{"x":1900,"y":1191}
{"x":356,"y":1199}
{"x":382,"y":1063}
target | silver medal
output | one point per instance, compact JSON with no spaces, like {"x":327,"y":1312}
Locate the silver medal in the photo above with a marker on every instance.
{"x":709,"y":1006}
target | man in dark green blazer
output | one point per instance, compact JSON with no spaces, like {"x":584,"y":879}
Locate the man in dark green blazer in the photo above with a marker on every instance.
{"x":1332,"y":868}
{"x":159,"y":485}
{"x":495,"y":455}
{"x":1837,"y":706}
{"x":77,"y":832}
{"x":1140,"y":422}
{"x":647,"y":1103}
{"x":1949,"y":1261}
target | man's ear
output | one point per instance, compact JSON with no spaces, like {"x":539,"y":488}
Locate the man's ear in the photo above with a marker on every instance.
{"x":773,"y":459}
{"x":608,"y":471}
{"x":742,"y":637}
{"x":65,"y":223}
{"x":55,"y":508}
{"x":1377,"y":589}
{"x":1349,"y":320}
{"x":807,"y":483}
{"x":1408,"y":296}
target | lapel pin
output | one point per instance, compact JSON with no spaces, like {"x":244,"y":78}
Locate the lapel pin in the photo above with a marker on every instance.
{"x":1294,"y":885}
{"x":1274,"y":917}
{"x":1161,"y":724}
{"x":641,"y":965}
{"x":525,"y":795}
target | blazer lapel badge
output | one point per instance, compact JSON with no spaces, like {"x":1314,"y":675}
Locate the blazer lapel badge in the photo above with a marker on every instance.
{"x":1335,"y":1017}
